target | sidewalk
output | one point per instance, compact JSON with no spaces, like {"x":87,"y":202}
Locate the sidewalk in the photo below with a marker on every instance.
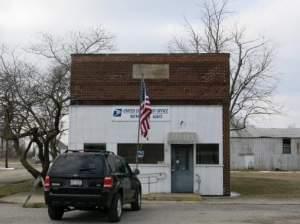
{"x":37,"y":199}
{"x":14,"y":176}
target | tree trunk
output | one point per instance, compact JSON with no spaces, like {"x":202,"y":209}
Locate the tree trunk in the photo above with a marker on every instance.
{"x":53,"y":148}
{"x":46,"y":163}
{"x":23,"y":159}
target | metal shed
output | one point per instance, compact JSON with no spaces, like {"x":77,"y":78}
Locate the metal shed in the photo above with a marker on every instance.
{"x":265,"y":149}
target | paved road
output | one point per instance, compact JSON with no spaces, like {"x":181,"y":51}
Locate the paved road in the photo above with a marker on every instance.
{"x":167,"y":213}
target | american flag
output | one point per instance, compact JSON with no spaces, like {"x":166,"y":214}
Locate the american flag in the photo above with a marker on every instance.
{"x":145,"y":110}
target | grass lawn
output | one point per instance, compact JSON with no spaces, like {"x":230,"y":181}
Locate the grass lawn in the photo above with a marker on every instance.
{"x":9,"y":189}
{"x":266,"y":184}
{"x":247,"y":183}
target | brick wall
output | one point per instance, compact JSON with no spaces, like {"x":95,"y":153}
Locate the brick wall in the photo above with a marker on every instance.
{"x":107,"y":79}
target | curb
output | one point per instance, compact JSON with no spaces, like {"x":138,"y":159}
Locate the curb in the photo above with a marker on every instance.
{"x":35,"y":205}
{"x":170,"y":197}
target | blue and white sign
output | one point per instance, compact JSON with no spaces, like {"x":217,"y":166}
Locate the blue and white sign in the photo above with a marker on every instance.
{"x":117,"y":112}
{"x":140,"y":154}
{"x":131,"y":113}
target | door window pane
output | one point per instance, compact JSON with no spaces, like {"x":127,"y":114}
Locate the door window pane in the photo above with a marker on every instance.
{"x":182,"y":159}
{"x":207,"y":153}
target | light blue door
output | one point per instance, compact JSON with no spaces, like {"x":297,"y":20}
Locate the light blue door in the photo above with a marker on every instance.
{"x":182,"y":168}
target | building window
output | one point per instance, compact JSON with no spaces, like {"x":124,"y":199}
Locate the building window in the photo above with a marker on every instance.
{"x":207,"y":153}
{"x":94,"y":147}
{"x":286,"y":146}
{"x":153,"y":153}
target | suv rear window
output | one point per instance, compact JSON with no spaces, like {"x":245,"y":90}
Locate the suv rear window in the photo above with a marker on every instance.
{"x":78,"y":163}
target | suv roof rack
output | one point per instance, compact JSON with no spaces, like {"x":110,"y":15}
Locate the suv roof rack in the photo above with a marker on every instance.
{"x":81,"y":150}
{"x":73,"y":150}
{"x":109,"y":152}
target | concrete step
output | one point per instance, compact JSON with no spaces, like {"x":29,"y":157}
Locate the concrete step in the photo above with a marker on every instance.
{"x":172,"y":197}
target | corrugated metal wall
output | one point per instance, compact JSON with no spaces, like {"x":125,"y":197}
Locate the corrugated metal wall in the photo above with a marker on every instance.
{"x":265,"y":152}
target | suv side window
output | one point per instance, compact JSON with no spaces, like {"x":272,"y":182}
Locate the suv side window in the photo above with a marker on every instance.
{"x":120,"y":166}
{"x":127,"y":168}
{"x":112,"y":164}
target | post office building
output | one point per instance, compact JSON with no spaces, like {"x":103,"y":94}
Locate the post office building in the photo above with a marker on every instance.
{"x":187,"y":148}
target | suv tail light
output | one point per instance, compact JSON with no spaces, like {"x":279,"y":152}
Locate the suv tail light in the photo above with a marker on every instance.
{"x":108,"y":182}
{"x":47,"y":183}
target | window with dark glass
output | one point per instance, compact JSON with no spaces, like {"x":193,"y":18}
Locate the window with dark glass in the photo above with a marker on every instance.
{"x":207,"y":153}
{"x":286,"y":146}
{"x":120,"y":166}
{"x":94,"y":147}
{"x":112,"y":164}
{"x":76,"y":163}
{"x":153,"y":153}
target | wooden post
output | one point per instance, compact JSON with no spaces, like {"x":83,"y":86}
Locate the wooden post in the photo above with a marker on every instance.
{"x":6,"y":153}
{"x":2,"y":147}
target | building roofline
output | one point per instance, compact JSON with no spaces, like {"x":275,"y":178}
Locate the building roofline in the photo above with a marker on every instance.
{"x":152,"y":54}
{"x":252,"y":132}
{"x":294,"y":137}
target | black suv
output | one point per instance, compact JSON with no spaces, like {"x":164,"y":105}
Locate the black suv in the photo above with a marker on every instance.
{"x":91,"y":180}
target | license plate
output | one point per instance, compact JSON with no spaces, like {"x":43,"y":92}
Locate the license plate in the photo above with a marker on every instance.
{"x":76,"y":182}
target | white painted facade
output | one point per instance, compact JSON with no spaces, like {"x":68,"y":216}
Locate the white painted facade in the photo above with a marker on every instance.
{"x":94,"y":124}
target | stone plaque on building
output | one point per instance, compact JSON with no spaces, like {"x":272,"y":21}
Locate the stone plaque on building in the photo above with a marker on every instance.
{"x":150,"y":71}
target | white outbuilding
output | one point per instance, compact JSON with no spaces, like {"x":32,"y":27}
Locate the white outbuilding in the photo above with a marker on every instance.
{"x":265,"y":149}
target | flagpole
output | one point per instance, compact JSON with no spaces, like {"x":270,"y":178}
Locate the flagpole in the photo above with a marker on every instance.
{"x":138,"y":140}
{"x":139,"y":127}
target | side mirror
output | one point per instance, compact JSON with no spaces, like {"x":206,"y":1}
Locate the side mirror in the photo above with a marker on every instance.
{"x":136,"y":172}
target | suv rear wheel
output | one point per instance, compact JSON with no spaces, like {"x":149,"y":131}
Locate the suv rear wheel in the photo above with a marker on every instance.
{"x":137,"y":204}
{"x":55,"y":213}
{"x":116,"y":209}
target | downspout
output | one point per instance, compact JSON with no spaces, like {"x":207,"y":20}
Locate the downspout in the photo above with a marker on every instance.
{"x":198,"y":182}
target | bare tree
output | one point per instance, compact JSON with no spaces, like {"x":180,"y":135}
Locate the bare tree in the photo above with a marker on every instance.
{"x":59,"y":49}
{"x":57,"y":52}
{"x":15,"y":116}
{"x":36,"y":102}
{"x":252,"y":82}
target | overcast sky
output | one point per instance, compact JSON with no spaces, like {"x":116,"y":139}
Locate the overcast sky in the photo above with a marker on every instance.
{"x":147,"y":26}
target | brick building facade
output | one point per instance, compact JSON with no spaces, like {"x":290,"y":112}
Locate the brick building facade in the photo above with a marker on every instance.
{"x":193,"y":92}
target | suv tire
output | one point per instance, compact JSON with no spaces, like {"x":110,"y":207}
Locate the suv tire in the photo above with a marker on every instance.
{"x":55,"y":213}
{"x":116,"y":209}
{"x":137,"y":204}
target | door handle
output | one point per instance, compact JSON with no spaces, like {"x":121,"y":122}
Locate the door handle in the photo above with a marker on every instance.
{"x":172,"y":170}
